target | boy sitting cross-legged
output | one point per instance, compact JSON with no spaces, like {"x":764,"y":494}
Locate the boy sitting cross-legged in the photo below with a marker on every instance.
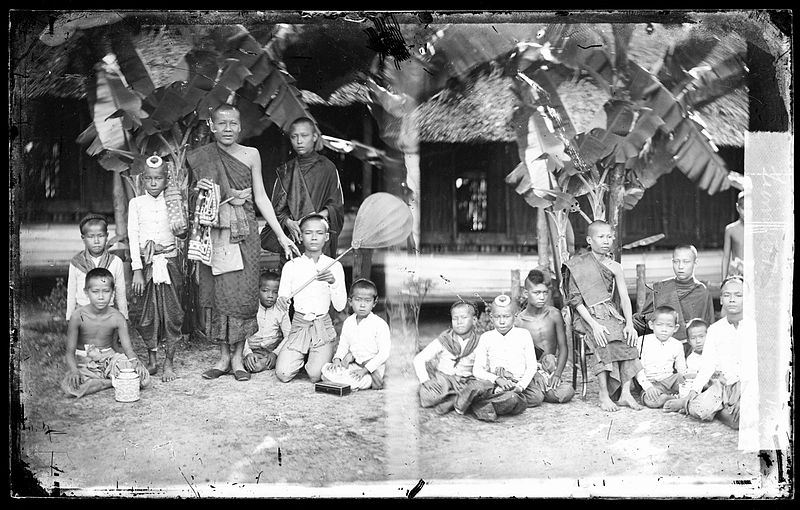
{"x":444,"y":366}
{"x":260,"y":351}
{"x":546,"y":326}
{"x":661,"y":356}
{"x":360,"y":359}
{"x":91,"y":359}
{"x":505,"y":365}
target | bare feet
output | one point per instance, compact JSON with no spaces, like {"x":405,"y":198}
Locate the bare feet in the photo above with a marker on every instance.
{"x":152,"y":362}
{"x":675,"y":405}
{"x":606,"y":404}
{"x":627,"y":400}
{"x":169,"y":374}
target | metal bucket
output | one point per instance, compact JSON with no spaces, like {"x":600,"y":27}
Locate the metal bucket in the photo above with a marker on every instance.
{"x":126,"y":385}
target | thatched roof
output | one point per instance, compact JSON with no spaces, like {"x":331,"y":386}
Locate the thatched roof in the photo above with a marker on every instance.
{"x":46,"y":71}
{"x":479,"y":110}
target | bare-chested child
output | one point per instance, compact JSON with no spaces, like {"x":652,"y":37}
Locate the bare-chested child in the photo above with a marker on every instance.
{"x":546,"y":326}
{"x":597,"y":291}
{"x":91,"y":359}
{"x":733,"y":246}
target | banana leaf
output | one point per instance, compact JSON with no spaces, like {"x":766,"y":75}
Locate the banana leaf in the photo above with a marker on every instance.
{"x":686,"y":54}
{"x":619,"y":116}
{"x":632,"y":196}
{"x":109,"y":131}
{"x":629,"y":147}
{"x":521,"y":179}
{"x":130,"y":64}
{"x":714,"y":82}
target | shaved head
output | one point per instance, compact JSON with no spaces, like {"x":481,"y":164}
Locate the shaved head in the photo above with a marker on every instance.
{"x":685,"y":247}
{"x":597,"y":226}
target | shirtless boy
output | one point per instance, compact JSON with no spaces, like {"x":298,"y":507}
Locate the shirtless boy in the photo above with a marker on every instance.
{"x":90,"y":358}
{"x":546,"y":326}
{"x":733,"y":246}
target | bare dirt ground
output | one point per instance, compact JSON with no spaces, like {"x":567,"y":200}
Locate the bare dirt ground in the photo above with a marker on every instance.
{"x":208,"y":436}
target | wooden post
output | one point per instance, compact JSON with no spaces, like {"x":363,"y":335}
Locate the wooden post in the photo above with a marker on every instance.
{"x":543,"y":239}
{"x":515,"y":287}
{"x":362,"y":263}
{"x":641,"y":290}
{"x":366,"y":167}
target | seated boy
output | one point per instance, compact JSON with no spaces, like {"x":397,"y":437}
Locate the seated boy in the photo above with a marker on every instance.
{"x":364,"y":344}
{"x":260,"y":351}
{"x":94,"y":233}
{"x":310,"y":343}
{"x":722,"y":356}
{"x":505,"y":365}
{"x":696,"y":332}
{"x":546,"y":326}
{"x":661,"y":356}
{"x":597,"y":291}
{"x":684,"y":293}
{"x":444,"y":366}
{"x":91,"y":359}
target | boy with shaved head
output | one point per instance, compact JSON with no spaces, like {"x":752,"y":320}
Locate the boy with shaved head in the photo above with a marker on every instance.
{"x":504,"y":369}
{"x":597,"y":291}
{"x":689,"y":297}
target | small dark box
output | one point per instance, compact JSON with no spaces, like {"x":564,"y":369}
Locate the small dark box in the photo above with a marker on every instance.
{"x":334,"y":388}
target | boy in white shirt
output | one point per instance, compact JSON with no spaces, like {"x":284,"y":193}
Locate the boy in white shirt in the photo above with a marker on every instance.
{"x":661,"y":356}
{"x":444,"y":366}
{"x":505,"y":363}
{"x":696,"y":331}
{"x":156,"y":271}
{"x":360,"y":359}
{"x":310,"y":343}
{"x":260,"y":351}
{"x":94,"y":233}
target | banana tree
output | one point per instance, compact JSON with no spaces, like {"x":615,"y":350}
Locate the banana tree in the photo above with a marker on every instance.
{"x":133,"y":119}
{"x":649,"y":131}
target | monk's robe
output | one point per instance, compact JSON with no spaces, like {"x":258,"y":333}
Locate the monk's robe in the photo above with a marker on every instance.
{"x":307,"y":184}
{"x":593,"y":284}
{"x":232,"y":296}
{"x":690,"y":299}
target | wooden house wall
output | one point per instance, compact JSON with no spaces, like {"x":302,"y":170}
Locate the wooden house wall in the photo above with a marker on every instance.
{"x":341,"y":122}
{"x":673,"y":206}
{"x":511,"y":223}
{"x":65,"y":186}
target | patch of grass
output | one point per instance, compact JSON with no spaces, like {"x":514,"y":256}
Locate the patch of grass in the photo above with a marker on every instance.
{"x":54,"y":305}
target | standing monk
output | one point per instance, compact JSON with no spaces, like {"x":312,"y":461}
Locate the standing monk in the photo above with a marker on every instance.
{"x":308,"y":184}
{"x":234,"y":171}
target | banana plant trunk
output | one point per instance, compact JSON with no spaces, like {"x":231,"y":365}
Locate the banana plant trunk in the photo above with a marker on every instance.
{"x":614,"y":212}
{"x":120,"y":207}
